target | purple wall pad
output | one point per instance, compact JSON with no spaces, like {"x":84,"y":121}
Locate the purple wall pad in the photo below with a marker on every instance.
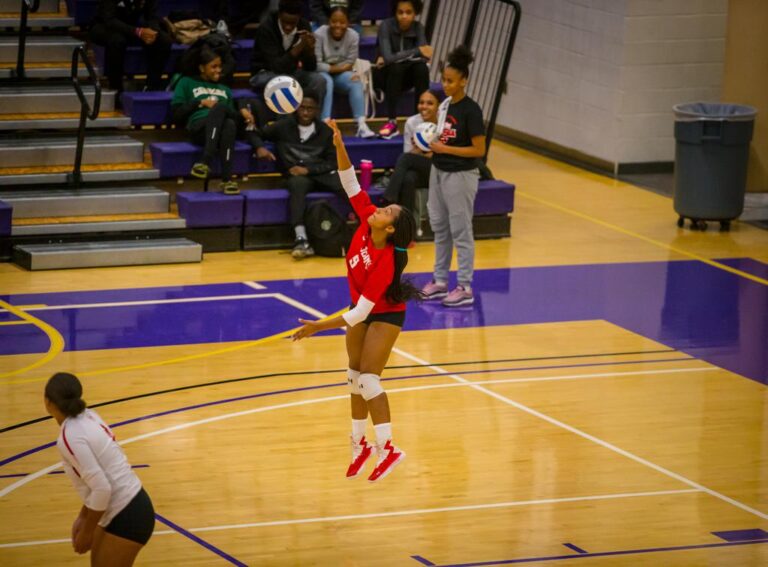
{"x":6,"y":216}
{"x":716,"y":320}
{"x":494,"y":197}
{"x":205,"y":209}
{"x":266,"y":206}
{"x":175,"y":159}
{"x":743,"y":535}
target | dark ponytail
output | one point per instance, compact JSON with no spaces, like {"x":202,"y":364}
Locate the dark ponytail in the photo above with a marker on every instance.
{"x":65,"y":392}
{"x":400,"y":290}
{"x":460,"y":59}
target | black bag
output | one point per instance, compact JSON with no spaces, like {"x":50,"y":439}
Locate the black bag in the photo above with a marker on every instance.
{"x":328,"y":232}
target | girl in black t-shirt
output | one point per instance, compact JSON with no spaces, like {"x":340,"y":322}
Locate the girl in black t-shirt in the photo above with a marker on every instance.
{"x":453,"y":182}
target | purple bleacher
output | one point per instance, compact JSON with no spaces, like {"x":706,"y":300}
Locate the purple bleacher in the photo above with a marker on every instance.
{"x":84,"y":10}
{"x":494,"y":197}
{"x":208,"y":209}
{"x":379,"y":10}
{"x":175,"y":159}
{"x":154,"y":107}
{"x":6,"y":215}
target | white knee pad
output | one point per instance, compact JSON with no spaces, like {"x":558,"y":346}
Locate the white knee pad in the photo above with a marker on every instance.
{"x":370,"y":386}
{"x":352,"y":376}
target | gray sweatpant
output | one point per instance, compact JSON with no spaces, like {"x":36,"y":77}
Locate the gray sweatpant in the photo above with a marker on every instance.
{"x":451,"y":205}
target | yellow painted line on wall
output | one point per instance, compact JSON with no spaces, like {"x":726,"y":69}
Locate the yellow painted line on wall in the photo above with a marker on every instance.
{"x":55,"y":339}
{"x":639,"y":236}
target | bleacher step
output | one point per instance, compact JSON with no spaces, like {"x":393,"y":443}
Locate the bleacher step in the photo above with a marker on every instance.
{"x":53,"y":151}
{"x":42,"y":70}
{"x":50,"y":202}
{"x":14,"y":6}
{"x":42,"y":122}
{"x":38,"y":20}
{"x":109,"y":253}
{"x":104,"y":226}
{"x":39,"y":48}
{"x":37,"y":177}
{"x":35,"y":99}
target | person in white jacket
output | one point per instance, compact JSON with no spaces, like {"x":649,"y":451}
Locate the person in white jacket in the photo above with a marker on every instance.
{"x":117,"y":517}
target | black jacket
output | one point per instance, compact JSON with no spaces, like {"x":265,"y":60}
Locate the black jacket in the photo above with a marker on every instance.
{"x":127,"y":18}
{"x":269,"y":53}
{"x":317,"y":154}
{"x":396,"y":46}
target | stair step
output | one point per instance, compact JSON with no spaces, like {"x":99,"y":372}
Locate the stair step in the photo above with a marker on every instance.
{"x":49,"y":202}
{"x":39,"y":49}
{"x":49,"y":151}
{"x":114,"y":225}
{"x":61,"y":121}
{"x":14,"y":6}
{"x":47,"y":70}
{"x":37,"y":20}
{"x":9,"y":177}
{"x":32,"y":99}
{"x":108,"y":253}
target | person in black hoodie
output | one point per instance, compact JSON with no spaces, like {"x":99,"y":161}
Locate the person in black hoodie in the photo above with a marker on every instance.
{"x":120,"y":23}
{"x":305,"y":147}
{"x":285,"y":45}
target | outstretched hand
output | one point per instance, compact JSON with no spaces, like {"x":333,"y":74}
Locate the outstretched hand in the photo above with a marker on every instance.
{"x":337,"y":140}
{"x":309,"y":328}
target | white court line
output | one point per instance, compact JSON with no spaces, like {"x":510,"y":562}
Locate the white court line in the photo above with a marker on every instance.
{"x":151,"y":302}
{"x":494,"y":505}
{"x":32,"y":476}
{"x":255,"y":285}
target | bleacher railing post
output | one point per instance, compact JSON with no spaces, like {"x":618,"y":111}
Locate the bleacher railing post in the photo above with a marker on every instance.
{"x":86,"y":111}
{"x":27,"y":7}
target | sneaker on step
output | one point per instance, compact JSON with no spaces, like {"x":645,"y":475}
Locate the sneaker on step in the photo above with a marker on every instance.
{"x":200,"y":170}
{"x":389,"y":457}
{"x":360,"y":453}
{"x":459,"y":297}
{"x":434,"y":290}
{"x":230,"y":188}
{"x":389,"y":130}
{"x":302,"y":249}
{"x":364,"y":132}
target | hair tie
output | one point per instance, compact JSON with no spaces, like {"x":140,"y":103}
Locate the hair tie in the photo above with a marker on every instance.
{"x":401,"y":249}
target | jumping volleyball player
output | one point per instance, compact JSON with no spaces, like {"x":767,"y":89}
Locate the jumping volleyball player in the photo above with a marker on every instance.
{"x":375,"y":263}
{"x":117,"y":517}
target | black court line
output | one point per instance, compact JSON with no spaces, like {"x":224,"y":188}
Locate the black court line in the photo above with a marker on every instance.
{"x":334,"y":371}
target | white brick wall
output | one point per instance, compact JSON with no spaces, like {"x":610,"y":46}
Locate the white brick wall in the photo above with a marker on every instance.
{"x":601,"y":76}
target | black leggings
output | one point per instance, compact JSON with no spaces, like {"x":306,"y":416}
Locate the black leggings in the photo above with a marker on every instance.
{"x":411,"y":172}
{"x":396,"y":78}
{"x":216,"y":133}
{"x":300,"y":185}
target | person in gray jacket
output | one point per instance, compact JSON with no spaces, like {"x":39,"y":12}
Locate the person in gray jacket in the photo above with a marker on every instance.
{"x":404,"y":54}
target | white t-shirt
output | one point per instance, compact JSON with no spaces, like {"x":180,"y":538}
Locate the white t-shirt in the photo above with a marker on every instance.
{"x":306,"y":131}
{"x":97,"y":465}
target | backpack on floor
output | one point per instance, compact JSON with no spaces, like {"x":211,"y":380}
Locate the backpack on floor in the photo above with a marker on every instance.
{"x":327,"y":231}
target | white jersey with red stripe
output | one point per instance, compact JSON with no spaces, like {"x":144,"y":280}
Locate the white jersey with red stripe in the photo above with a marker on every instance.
{"x":97,"y":465}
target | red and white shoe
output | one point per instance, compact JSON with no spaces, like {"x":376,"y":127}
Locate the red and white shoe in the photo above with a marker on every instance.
{"x":360,"y":453}
{"x":389,"y":457}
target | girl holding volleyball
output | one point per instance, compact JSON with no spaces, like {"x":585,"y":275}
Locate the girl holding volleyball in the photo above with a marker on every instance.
{"x":117,"y":517}
{"x":376,"y":259}
{"x":453,"y":182}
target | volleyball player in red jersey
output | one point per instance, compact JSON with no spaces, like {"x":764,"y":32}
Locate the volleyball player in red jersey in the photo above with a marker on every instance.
{"x":376,"y":259}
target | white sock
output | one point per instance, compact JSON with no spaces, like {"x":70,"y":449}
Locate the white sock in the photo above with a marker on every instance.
{"x":301,"y":232}
{"x":358,"y":429}
{"x":361,"y":121}
{"x":383,"y":433}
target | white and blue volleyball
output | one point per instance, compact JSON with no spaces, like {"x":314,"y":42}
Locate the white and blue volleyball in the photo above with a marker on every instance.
{"x":424,"y":135}
{"x":283,"y":94}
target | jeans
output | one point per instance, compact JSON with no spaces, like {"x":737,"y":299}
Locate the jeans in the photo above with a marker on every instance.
{"x":343,"y":83}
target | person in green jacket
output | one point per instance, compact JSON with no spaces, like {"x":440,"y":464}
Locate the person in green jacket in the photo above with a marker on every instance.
{"x":207,"y":109}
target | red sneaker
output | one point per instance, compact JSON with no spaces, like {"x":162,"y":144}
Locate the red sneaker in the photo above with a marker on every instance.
{"x":389,"y":457}
{"x":360,"y":453}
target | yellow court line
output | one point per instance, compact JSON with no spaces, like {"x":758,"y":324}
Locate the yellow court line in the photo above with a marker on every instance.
{"x":3,"y":323}
{"x":617,"y":228}
{"x":54,"y":337}
{"x":186,"y":358}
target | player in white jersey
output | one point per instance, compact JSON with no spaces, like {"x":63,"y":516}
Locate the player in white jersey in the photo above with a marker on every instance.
{"x":117,"y":517}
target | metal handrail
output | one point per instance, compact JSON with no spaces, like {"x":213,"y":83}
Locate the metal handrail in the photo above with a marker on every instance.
{"x":27,"y":7}
{"x":87,"y":112}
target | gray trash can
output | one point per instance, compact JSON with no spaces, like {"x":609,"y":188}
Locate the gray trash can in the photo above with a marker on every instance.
{"x":711,"y":155}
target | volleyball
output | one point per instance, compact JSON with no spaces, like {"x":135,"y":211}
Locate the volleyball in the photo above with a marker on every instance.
{"x":283,"y":94}
{"x":425,"y":133}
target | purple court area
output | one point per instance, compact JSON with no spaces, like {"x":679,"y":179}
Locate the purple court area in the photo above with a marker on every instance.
{"x":690,"y":306}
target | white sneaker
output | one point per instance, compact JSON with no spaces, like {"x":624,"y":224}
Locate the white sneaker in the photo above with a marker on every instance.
{"x":364,"y":132}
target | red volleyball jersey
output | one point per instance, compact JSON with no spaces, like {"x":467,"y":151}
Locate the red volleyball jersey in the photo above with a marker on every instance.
{"x":370,"y":270}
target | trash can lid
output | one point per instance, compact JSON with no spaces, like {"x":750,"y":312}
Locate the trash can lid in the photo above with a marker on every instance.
{"x":714,"y":111}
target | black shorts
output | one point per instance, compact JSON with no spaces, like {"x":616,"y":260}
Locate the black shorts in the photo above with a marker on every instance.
{"x":396,"y":318}
{"x":136,"y":521}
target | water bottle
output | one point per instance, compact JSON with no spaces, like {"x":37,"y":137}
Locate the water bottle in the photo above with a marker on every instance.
{"x":366,"y":174}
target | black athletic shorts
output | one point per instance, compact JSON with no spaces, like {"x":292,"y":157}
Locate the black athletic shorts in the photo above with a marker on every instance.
{"x":136,"y":521}
{"x":393,"y":317}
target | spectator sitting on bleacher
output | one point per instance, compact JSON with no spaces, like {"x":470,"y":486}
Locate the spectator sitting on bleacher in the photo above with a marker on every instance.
{"x":305,"y":147}
{"x":117,"y":25}
{"x":402,"y":63}
{"x":336,"y":49}
{"x":285,"y":45}
{"x":412,"y":168}
{"x":208,"y":110}
{"x":322,"y":10}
